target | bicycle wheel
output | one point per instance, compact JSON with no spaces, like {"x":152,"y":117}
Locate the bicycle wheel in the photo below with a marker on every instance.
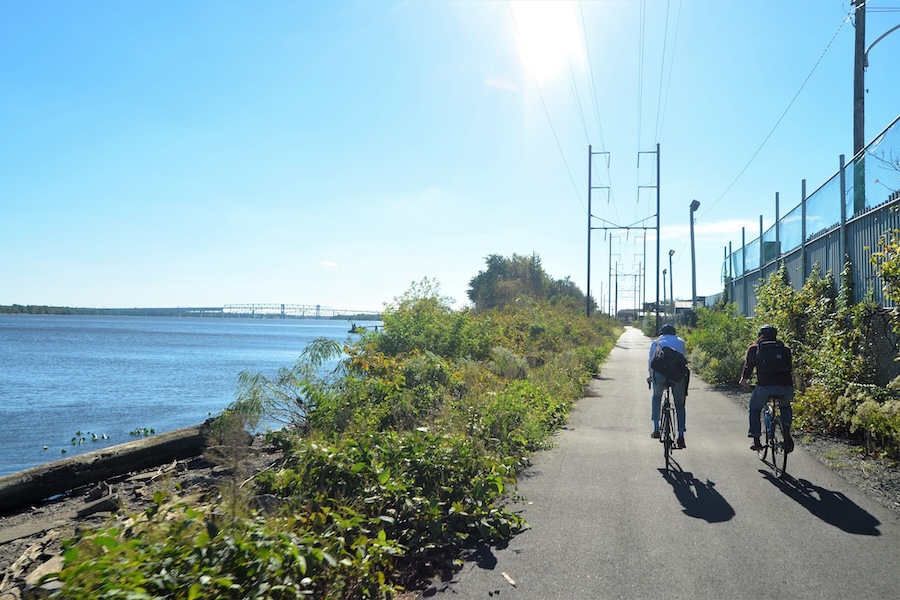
{"x":765,"y":412}
{"x":779,"y":456}
{"x":665,"y":436}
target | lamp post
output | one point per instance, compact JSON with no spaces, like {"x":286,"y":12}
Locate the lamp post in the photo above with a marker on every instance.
{"x":666,"y":304}
{"x":671,"y":282}
{"x":694,"y":206}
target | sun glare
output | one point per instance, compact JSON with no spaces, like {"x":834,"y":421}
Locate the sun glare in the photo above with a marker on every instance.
{"x":548,"y":35}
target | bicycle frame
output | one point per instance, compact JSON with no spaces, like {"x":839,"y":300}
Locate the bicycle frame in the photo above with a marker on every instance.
{"x":668,"y":425}
{"x":773,"y":429}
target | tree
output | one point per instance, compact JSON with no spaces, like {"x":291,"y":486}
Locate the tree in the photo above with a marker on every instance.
{"x":505,"y":280}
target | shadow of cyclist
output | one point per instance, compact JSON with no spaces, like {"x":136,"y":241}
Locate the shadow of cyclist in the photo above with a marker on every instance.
{"x":832,"y":507}
{"x":699,"y":499}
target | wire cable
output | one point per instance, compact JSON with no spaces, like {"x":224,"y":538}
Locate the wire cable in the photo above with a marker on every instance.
{"x":587,"y":48}
{"x":640,"y":101}
{"x":596,"y":105}
{"x":587,"y":136}
{"x":778,"y":122}
{"x":671,"y":68}
{"x":662,"y":70}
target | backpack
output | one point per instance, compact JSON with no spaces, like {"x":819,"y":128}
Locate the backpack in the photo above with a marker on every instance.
{"x":669,"y":362}
{"x":772,"y":356}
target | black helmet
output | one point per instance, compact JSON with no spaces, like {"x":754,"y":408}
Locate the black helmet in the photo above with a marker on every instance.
{"x":667,"y":329}
{"x":767,"y":332}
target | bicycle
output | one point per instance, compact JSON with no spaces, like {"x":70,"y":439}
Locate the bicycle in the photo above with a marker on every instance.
{"x":775,"y":436}
{"x":668,"y":425}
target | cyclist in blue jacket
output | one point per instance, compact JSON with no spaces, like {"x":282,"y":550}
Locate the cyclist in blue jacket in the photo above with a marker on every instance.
{"x":667,"y":338}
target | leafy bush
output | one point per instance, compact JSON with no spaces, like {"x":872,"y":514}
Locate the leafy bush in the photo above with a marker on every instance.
{"x":428,"y":492}
{"x":718,"y":344}
{"x":507,"y":364}
{"x":184,"y":552}
{"x":873,"y":413}
{"x":396,"y":456}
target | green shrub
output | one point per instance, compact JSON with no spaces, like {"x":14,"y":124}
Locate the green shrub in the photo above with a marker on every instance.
{"x":396,"y":457}
{"x":507,"y":364}
{"x":718,"y":343}
{"x":431,"y":493}
{"x":183,"y":552}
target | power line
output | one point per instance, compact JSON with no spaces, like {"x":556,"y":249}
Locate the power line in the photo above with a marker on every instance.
{"x":596,"y":105}
{"x":662,"y":70}
{"x":587,"y":48}
{"x":641,"y":70}
{"x":778,"y":122}
{"x":577,"y":98}
{"x":671,"y":68}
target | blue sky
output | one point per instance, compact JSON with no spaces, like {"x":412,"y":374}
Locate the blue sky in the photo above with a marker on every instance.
{"x":207,"y":153}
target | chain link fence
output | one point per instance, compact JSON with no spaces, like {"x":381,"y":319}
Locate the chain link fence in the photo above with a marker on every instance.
{"x":844,"y":219}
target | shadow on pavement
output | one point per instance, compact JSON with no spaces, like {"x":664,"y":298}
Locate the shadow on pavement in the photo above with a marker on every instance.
{"x":699,"y":499}
{"x":482,"y":555}
{"x":832,"y":507}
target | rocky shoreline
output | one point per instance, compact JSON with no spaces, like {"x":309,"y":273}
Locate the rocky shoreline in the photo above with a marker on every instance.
{"x":31,"y":537}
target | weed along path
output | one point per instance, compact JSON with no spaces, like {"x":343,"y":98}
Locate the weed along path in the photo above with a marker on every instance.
{"x":607,"y":520}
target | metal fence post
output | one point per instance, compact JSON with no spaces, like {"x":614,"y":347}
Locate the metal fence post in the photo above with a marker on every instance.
{"x":842,"y":237}
{"x":777,"y":227}
{"x":744,"y":297}
{"x":803,"y":269}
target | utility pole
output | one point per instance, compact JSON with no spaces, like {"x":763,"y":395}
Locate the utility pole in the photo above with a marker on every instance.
{"x":638,"y":225}
{"x":591,"y":186}
{"x":859,"y":108}
{"x":657,"y":186}
{"x":616,"y":316}
{"x":587,"y":308}
{"x":657,"y":237}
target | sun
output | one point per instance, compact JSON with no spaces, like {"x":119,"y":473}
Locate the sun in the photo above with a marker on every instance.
{"x":548,"y":36}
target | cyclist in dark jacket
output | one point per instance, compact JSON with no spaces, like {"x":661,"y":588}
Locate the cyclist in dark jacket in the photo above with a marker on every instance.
{"x":767,"y":384}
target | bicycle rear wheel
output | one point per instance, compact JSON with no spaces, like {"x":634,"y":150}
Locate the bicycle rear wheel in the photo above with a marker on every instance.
{"x":665,"y":435}
{"x":779,"y":456}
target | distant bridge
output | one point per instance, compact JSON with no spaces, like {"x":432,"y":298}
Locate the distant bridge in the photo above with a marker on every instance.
{"x":315,"y":311}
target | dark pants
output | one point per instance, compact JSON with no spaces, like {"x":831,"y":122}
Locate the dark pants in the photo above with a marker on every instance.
{"x":758,"y":400}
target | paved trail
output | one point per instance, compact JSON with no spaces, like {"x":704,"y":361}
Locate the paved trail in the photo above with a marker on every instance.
{"x":608,"y":522}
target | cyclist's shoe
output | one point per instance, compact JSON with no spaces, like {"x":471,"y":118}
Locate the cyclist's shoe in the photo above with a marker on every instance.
{"x":680,"y":442}
{"x":788,"y":444}
{"x":757,"y":445}
{"x":655,"y":435}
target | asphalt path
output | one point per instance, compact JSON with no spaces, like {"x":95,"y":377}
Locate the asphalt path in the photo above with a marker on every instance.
{"x":608,"y":521}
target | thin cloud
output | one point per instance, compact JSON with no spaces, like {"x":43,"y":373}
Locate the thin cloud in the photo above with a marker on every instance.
{"x":727,"y":227}
{"x":328,"y":263}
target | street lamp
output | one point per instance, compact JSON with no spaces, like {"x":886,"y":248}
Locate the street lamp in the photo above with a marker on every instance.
{"x":666,"y":304}
{"x":671,"y":282}
{"x":694,"y":206}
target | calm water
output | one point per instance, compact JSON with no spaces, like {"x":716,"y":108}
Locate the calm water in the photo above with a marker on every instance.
{"x":110,"y":376}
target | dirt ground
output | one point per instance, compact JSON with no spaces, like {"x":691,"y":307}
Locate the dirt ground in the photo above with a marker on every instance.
{"x":31,"y":539}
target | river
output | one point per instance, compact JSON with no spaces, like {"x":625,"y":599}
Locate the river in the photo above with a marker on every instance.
{"x":110,"y":380}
